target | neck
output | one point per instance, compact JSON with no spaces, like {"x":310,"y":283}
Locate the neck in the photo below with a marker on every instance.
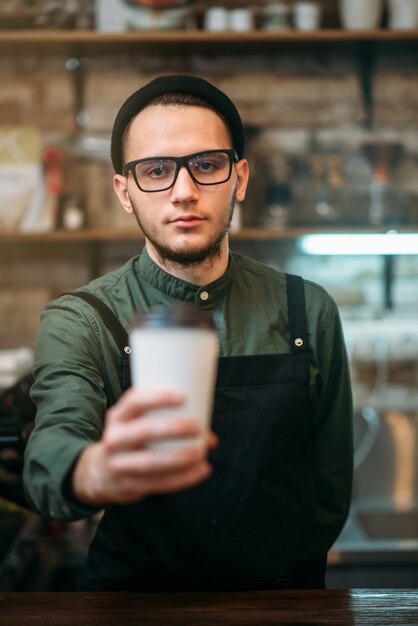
{"x":199,"y":273}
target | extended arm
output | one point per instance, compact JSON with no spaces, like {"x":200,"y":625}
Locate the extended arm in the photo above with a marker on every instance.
{"x":82,"y":454}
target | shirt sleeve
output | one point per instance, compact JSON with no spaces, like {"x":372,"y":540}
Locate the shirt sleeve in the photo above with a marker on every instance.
{"x":71,"y":402}
{"x":332,"y":424}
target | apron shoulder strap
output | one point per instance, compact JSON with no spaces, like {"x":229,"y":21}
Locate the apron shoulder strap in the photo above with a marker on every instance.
{"x":296,"y":313}
{"x":113,"y":324}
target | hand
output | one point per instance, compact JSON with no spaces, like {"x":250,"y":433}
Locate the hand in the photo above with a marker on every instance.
{"x":121,"y":468}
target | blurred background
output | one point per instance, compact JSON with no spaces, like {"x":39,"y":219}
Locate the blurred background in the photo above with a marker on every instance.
{"x":328,"y":92}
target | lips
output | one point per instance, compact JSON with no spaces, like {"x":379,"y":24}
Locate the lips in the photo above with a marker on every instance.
{"x":187,"y":221}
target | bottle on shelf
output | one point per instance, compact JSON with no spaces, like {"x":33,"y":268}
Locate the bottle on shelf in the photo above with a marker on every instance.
{"x":379,"y":206}
{"x":72,"y":214}
{"x":386,"y":203}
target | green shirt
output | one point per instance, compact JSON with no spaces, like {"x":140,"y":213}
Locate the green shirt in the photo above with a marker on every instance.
{"x":77,"y":371}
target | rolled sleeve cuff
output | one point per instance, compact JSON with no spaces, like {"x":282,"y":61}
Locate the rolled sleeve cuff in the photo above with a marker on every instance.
{"x":47,"y":483}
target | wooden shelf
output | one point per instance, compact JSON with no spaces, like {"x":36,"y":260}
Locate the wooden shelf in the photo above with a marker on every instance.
{"x":90,"y":36}
{"x":88,"y":236}
{"x":185,"y":37}
{"x":246,"y":234}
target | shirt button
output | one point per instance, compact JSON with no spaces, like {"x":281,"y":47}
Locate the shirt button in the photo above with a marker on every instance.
{"x":204,"y":295}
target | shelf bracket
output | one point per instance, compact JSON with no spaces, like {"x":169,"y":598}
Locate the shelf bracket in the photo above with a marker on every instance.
{"x":388,"y":278}
{"x":365,"y":66}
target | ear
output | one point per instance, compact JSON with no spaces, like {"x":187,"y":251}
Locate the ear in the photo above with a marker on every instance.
{"x":120,"y":185}
{"x":243,"y":172}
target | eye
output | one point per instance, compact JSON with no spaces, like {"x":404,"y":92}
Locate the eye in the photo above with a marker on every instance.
{"x":155,"y":169}
{"x":206,"y":163}
{"x":156,"y":172}
{"x":205,"y":166}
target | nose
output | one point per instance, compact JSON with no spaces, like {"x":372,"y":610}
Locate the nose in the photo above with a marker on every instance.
{"x":184,"y":189}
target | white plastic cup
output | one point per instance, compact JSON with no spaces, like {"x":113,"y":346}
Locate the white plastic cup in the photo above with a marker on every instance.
{"x":177,"y":349}
{"x":306,"y":15}
{"x":240,"y":20}
{"x":403,"y":14}
{"x":216,"y":19}
{"x":360,"y":14}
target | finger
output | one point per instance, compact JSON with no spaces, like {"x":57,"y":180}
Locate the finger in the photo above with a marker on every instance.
{"x":134,"y":403}
{"x":179,"y":480}
{"x":140,"y":432}
{"x":150,"y":462}
{"x":213,"y":440}
{"x":132,"y":489}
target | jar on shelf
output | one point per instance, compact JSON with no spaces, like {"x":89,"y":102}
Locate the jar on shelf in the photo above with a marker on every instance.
{"x":276,"y":16}
{"x":360,"y":14}
{"x":72,"y":214}
{"x":403,"y":14}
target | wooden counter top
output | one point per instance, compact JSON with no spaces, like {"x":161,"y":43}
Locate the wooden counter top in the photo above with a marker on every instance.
{"x":302,"y":607}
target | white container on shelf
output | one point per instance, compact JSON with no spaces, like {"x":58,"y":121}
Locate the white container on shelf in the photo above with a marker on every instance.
{"x":167,"y":18}
{"x":360,"y":14}
{"x":118,"y":15}
{"x":216,"y":19}
{"x":241,"y":19}
{"x":306,"y":15}
{"x":403,"y":14}
{"x":110,"y":15}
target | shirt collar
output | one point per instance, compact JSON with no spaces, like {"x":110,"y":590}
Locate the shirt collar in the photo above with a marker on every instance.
{"x":178,"y":289}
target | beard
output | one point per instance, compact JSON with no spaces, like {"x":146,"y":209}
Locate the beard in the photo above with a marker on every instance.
{"x":187,"y":256}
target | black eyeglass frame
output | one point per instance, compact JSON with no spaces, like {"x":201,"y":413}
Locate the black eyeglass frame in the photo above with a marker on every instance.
{"x":182,"y":161}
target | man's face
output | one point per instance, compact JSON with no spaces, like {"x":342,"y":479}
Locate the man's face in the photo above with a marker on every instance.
{"x":188,"y":223}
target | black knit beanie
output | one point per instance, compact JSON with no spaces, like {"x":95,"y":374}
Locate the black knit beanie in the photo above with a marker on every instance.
{"x":175,"y":84}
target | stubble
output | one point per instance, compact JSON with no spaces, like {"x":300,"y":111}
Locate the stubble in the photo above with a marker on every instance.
{"x":187,"y":257}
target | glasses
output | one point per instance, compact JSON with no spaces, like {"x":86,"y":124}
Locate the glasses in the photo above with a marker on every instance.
{"x":212,"y":167}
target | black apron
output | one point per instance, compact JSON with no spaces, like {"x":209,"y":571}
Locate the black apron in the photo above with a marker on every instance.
{"x":253,"y":523}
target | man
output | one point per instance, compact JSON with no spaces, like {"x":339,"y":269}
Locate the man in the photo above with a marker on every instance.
{"x":263,"y":508}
